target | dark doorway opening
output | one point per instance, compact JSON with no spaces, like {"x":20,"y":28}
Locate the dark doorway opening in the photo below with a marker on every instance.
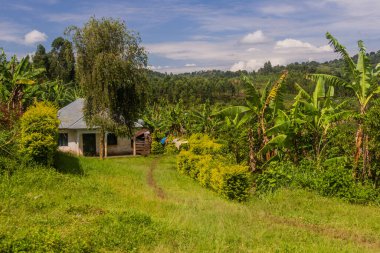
{"x":89,"y":144}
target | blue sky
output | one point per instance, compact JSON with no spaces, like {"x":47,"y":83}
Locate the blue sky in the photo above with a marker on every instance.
{"x":184,"y":36}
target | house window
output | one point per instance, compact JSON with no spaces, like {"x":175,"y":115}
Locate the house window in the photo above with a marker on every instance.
{"x":111,"y":139}
{"x":63,"y":139}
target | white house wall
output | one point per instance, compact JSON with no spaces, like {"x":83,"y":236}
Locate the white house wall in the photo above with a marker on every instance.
{"x":123,"y":147}
{"x":72,"y":146}
{"x":75,"y":143}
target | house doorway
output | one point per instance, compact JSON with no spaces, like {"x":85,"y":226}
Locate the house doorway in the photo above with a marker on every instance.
{"x":89,"y":144}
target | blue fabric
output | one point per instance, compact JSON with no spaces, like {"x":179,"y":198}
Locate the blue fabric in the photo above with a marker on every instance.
{"x":163,"y":140}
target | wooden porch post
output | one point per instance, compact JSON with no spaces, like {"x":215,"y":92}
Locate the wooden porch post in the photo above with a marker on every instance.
{"x":78,"y":145}
{"x":105,"y":145}
{"x":134,"y":145}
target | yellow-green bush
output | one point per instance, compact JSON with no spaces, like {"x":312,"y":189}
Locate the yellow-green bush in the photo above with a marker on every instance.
{"x":231,"y":181}
{"x":39,"y":133}
{"x":202,"y":144}
{"x":205,"y":163}
{"x":186,"y":162}
{"x":157,"y":148}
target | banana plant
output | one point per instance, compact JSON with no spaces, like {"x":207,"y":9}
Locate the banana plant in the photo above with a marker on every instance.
{"x":363,"y":81}
{"x":314,"y":114}
{"x":260,"y":108}
{"x":203,"y":120}
{"x":52,"y":91}
{"x":14,"y":76}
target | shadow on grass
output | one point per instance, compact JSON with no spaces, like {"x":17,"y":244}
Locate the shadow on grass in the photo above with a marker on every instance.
{"x":68,"y":164}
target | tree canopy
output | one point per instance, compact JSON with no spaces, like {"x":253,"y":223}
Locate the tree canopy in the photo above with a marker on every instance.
{"x":111,"y":71}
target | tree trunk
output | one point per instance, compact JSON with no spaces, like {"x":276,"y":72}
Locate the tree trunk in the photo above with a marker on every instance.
{"x":252,"y":158}
{"x":101,"y":144}
{"x":358,"y":146}
{"x":366,"y":169}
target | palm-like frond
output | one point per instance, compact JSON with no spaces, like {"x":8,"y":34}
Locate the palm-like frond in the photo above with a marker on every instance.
{"x":250,"y":90}
{"x":274,"y":91}
{"x":339,"y":48}
{"x":329,"y":80}
{"x":232,"y":111}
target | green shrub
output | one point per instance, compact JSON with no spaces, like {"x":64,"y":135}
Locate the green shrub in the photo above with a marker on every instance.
{"x":157,"y":148}
{"x":337,"y":181}
{"x":274,"y":176}
{"x":232,"y":182}
{"x":170,"y":149}
{"x":203,"y":163}
{"x":187,"y":164}
{"x":39,"y":133}
{"x":7,"y":165}
{"x":202,"y":144}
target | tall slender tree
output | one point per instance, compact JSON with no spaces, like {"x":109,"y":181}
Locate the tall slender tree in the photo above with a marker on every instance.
{"x":61,"y":60}
{"x":111,"y":70}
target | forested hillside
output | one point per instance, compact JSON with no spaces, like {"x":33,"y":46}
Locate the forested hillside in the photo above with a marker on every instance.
{"x":225,"y":86}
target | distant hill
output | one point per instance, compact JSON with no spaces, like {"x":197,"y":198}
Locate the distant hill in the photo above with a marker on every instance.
{"x":225,"y":86}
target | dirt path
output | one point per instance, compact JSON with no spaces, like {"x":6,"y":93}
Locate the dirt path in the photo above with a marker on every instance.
{"x":151,"y":182}
{"x":349,"y":236}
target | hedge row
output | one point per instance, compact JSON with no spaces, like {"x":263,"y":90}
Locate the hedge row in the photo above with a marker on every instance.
{"x":204,"y":162}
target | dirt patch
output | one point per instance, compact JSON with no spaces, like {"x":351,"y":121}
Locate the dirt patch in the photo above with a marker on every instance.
{"x":151,"y":182}
{"x":349,"y":236}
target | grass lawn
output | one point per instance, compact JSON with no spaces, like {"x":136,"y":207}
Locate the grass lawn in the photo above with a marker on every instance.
{"x":143,"y":205}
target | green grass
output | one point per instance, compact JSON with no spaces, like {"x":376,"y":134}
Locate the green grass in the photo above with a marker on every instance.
{"x":93,"y":205}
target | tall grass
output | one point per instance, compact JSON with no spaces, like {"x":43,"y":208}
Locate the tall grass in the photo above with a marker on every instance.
{"x":109,"y":206}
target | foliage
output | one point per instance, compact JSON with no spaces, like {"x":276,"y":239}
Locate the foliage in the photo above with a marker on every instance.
{"x":110,"y":63}
{"x":39,"y":133}
{"x":275,"y":176}
{"x":334,"y":180}
{"x":170,"y":148}
{"x":231,"y":181}
{"x":113,"y":209}
{"x":260,"y":109}
{"x":14,"y":77}
{"x":7,"y":165}
{"x":110,"y":70}
{"x":61,"y":61}
{"x":156,"y":148}
{"x":204,"y":163}
{"x":202,"y":144}
{"x":364,"y":82}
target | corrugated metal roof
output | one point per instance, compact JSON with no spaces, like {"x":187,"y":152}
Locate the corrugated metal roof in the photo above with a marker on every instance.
{"x":72,"y":117}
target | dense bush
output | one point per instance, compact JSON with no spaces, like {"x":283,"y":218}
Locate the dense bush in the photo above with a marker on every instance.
{"x":231,"y":181}
{"x":170,"y":147}
{"x":7,"y":165}
{"x":157,"y":148}
{"x":202,"y":144}
{"x":204,"y":163}
{"x":334,"y":181}
{"x":39,"y":133}
{"x":276,"y":175}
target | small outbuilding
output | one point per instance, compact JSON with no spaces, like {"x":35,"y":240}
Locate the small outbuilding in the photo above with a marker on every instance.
{"x":77,"y":138}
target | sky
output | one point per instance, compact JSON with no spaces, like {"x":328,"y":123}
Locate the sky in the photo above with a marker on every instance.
{"x":186,"y":36}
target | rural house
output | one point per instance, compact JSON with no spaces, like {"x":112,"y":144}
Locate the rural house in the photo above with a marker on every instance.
{"x":77,"y":138}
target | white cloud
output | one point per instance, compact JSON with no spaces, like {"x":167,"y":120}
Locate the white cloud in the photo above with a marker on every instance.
{"x":254,"y":38}
{"x":255,"y":64}
{"x":297,"y":44}
{"x":157,"y":68}
{"x":238,"y":66}
{"x":190,"y":65}
{"x":34,"y":37}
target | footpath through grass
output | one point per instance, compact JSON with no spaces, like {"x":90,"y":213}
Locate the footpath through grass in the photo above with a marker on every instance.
{"x":144,"y":205}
